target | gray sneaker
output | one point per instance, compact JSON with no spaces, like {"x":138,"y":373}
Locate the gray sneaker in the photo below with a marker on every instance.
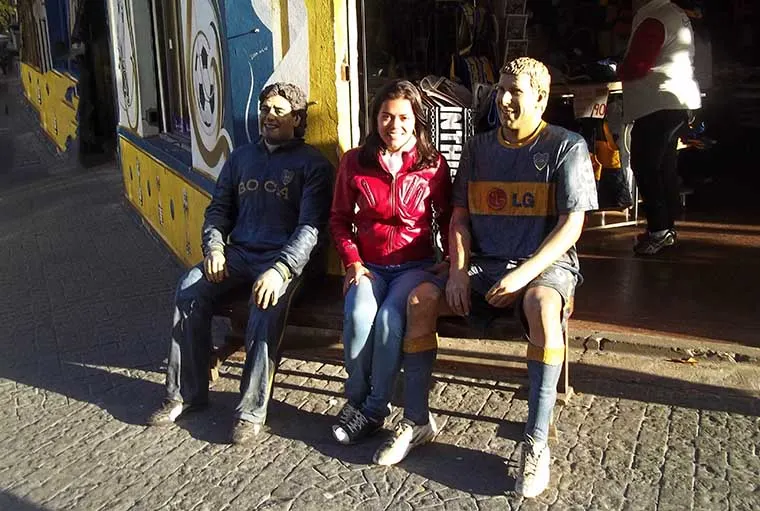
{"x":533,"y":471}
{"x":169,"y":412}
{"x":245,"y":432}
{"x":406,"y":437}
{"x":646,"y":244}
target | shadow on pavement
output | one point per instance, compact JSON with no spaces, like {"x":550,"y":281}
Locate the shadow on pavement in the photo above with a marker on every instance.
{"x":128,"y":399}
{"x":465,"y":469}
{"x":10,"y":502}
{"x":652,"y":388}
{"x":619,"y":383}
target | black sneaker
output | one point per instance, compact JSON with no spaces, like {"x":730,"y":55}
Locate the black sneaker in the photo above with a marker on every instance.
{"x":646,"y":244}
{"x":357,"y":427}
{"x":345,"y":414}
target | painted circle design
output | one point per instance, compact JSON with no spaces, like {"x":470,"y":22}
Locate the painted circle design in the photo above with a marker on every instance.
{"x":205,"y":82}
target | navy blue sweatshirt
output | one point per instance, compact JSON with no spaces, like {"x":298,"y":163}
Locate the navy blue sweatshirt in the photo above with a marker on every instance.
{"x":273,"y":203}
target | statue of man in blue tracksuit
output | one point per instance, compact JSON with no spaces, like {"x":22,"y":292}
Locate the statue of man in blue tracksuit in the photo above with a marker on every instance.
{"x":268,"y":212}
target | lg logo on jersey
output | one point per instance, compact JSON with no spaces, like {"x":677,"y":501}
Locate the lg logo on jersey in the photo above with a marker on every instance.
{"x":497,"y":199}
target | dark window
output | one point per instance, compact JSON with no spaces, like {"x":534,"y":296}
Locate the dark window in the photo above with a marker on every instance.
{"x":170,"y":55}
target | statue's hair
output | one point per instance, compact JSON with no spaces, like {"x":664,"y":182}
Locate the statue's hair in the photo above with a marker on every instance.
{"x":295,"y":97}
{"x":540,"y":79}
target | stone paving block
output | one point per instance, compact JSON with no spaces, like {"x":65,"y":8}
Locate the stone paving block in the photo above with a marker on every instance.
{"x":641,"y":496}
{"x":531,"y":505}
{"x":478,"y":435}
{"x":572,"y":499}
{"x":711,"y":494}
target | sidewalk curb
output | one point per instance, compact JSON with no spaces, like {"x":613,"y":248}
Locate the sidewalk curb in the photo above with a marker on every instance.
{"x":659,"y":345}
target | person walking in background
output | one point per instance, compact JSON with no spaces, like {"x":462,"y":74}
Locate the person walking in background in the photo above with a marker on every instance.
{"x":268,"y":212}
{"x":659,"y":91}
{"x":388,"y":194}
{"x":519,"y":203}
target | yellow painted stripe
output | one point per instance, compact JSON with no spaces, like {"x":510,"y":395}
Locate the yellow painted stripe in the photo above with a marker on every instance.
{"x":284,"y":27}
{"x":548,"y":356}
{"x":511,"y":199}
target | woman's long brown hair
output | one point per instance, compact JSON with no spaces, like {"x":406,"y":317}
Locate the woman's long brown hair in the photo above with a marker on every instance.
{"x":427,"y":154}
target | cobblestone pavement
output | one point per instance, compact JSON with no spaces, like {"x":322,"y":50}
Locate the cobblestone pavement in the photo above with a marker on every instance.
{"x":85,"y":295}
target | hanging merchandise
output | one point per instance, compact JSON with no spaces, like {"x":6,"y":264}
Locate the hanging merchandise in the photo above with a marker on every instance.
{"x":441,"y":91}
{"x":484,"y":108}
{"x":477,"y":43}
{"x":612,"y":181}
{"x":450,"y":117}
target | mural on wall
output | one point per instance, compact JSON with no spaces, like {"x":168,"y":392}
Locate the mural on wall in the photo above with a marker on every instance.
{"x":250,"y":50}
{"x":267,"y":41}
{"x":127,"y":78}
{"x":288,"y":23}
{"x":204,"y":64}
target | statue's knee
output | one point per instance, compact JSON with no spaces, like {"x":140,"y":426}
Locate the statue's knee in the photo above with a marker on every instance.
{"x":424,"y":299}
{"x":541,"y":302}
{"x":188,"y":292}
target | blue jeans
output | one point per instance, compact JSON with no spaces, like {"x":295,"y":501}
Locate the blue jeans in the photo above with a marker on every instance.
{"x":374,"y":322}
{"x":190,"y":350}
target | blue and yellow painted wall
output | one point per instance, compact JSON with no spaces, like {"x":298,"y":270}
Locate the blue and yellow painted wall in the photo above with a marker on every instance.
{"x":53,"y":95}
{"x":50,"y":84}
{"x":232,"y":49}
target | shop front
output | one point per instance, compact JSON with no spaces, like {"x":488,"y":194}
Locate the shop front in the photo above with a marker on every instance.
{"x":454,"y":49}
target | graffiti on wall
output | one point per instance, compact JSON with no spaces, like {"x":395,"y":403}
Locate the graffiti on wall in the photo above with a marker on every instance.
{"x":204,"y":65}
{"x":126,"y":66}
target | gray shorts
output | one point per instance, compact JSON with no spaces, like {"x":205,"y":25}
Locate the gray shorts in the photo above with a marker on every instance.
{"x":485,"y":273}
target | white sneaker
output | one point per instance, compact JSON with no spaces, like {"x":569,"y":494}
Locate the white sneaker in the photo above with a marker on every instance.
{"x":406,"y":437}
{"x":533,"y":471}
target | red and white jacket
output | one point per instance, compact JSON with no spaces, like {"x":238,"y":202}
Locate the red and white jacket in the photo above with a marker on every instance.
{"x":383,"y":219}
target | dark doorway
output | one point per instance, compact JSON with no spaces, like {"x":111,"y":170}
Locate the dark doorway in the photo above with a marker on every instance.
{"x":97,"y":107}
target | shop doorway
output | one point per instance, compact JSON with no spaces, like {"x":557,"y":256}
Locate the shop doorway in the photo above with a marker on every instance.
{"x":97,"y":106}
{"x":402,"y":39}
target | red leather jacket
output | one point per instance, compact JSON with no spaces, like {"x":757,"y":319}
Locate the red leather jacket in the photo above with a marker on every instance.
{"x":392,"y":223}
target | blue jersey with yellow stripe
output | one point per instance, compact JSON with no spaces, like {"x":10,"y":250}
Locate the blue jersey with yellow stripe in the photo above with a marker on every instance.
{"x":514,"y":193}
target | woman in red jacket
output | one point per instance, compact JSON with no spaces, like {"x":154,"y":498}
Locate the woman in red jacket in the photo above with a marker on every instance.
{"x":388,"y":194}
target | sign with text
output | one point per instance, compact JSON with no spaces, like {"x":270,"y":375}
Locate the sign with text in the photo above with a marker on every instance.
{"x":590,"y":101}
{"x":450,"y":127}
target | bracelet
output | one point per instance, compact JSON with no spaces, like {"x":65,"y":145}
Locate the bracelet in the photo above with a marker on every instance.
{"x":282,"y":269}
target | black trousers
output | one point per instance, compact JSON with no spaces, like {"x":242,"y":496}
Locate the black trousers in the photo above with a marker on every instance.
{"x":654,"y":159}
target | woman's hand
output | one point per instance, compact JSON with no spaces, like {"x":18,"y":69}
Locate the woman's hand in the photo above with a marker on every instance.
{"x":354,"y":272}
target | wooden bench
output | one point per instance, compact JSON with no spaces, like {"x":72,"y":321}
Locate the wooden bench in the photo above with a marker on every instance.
{"x":319,"y":307}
